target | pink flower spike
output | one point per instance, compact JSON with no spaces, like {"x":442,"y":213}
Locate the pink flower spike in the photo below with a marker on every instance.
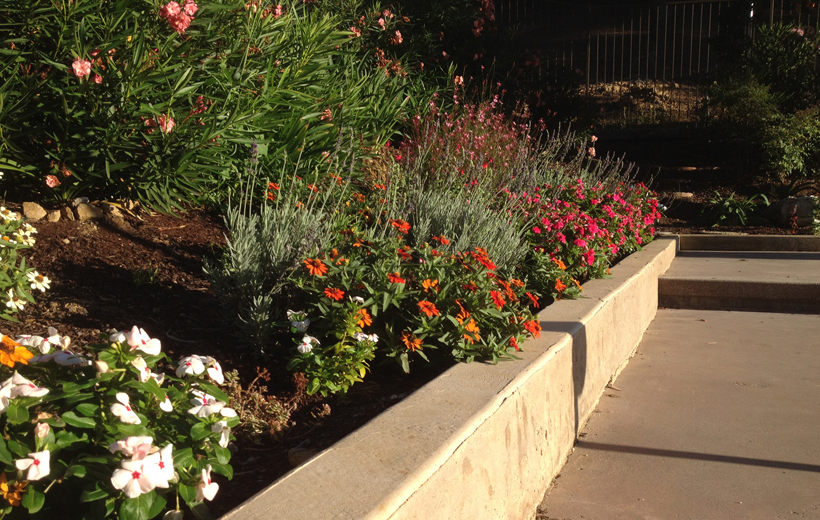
{"x":207,"y":489}
{"x":170,"y":10}
{"x":81,"y":67}
{"x":166,"y":124}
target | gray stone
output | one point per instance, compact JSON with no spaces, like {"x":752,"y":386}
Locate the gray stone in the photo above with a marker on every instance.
{"x":67,"y":213}
{"x":33,"y":211}
{"x":88,"y":212}
{"x":785,"y":211}
{"x":79,"y":200}
{"x":112,"y":210}
{"x":53,"y":216}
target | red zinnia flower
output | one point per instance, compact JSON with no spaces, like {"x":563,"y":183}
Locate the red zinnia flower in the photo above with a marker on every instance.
{"x":514,"y":343}
{"x":498,"y":299}
{"x":440,"y":239}
{"x":395,"y":278}
{"x":472,"y":287}
{"x":428,"y":308}
{"x":334,"y":294}
{"x":533,"y":299}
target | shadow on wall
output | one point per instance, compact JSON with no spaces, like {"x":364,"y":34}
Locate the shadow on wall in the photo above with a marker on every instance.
{"x":578,"y":332}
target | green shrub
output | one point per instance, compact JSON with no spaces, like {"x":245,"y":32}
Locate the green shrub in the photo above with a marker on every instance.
{"x":114,"y":102}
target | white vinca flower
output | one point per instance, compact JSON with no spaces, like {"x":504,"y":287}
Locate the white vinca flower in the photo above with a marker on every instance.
{"x":190,"y":366}
{"x":41,"y":430}
{"x":206,"y":489}
{"x":123,"y":410}
{"x":139,"y":340}
{"x":205,"y":405}
{"x":214,"y":369}
{"x":308,"y":342}
{"x":299,"y":321}
{"x":166,"y":406}
{"x":24,"y":387}
{"x":358,"y":299}
{"x":38,"y":281}
{"x":54,"y":340}
{"x":144,"y":372}
{"x":37,"y":465}
{"x":135,"y":477}
{"x":224,"y":431}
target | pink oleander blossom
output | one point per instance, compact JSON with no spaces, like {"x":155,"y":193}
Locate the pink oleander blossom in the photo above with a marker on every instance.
{"x":81,"y":67}
{"x":52,"y":181}
{"x":166,"y":124}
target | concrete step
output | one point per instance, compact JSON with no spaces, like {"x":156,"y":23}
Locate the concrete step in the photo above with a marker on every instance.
{"x":769,"y":281}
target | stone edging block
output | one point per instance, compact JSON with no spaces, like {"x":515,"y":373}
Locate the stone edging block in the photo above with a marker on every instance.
{"x":482,"y":441}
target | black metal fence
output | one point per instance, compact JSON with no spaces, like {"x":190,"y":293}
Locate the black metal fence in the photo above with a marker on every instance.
{"x":644,"y":62}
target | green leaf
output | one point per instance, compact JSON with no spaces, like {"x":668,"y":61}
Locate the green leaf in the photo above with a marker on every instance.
{"x":16,"y":414}
{"x":65,"y":438}
{"x":188,"y":494}
{"x":314,"y":386}
{"x":90,"y":495}
{"x":5,"y":454}
{"x":157,"y":507}
{"x":33,"y":500}
{"x":88,"y":409}
{"x":75,"y":471}
{"x":184,"y":458}
{"x":21,"y":450}
{"x":223,"y":455}
{"x":199,"y":431}
{"x":78,"y":422}
{"x":222,"y":469}
{"x":212,"y":390}
{"x":137,"y":508}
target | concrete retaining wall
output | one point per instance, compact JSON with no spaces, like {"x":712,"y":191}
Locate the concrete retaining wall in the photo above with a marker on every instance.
{"x":481,"y":441}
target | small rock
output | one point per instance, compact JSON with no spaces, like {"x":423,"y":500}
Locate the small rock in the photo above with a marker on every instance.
{"x":53,"y":216}
{"x":67,"y":214}
{"x":801,"y":209}
{"x":120,"y":223}
{"x":33,"y":211}
{"x":298,"y":456}
{"x":79,"y":200}
{"x":66,"y":241}
{"x":681,"y":195}
{"x":114,"y":211}
{"x":88,"y":212}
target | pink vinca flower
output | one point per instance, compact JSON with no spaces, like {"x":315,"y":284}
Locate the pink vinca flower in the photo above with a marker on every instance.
{"x":137,"y":339}
{"x":81,"y":67}
{"x":206,"y":489}
{"x":37,"y":465}
{"x":41,"y":430}
{"x":122,"y":409}
{"x":136,"y":447}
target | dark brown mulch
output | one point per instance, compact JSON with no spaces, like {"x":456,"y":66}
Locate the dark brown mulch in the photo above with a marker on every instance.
{"x":115,"y":273}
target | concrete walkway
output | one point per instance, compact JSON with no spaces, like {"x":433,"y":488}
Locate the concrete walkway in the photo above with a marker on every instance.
{"x":716,"y":417}
{"x":718,"y":414}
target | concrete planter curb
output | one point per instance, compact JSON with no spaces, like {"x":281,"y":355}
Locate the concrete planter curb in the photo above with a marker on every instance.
{"x":482,"y":441}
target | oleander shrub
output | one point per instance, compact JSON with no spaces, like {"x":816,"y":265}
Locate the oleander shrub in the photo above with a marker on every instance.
{"x":134,"y":99}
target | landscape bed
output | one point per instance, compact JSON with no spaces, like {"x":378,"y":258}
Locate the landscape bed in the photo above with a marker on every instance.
{"x":491,"y":436}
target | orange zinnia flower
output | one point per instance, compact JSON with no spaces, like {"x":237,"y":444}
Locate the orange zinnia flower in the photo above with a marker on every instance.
{"x":12,"y":352}
{"x":12,"y":494}
{"x":364,"y":318}
{"x":273,"y":186}
{"x":411,"y":341}
{"x":533,"y":327}
{"x":498,"y":299}
{"x":441,"y":240}
{"x":428,"y":308}
{"x":470,"y":287}
{"x":516,"y":282}
{"x":334,"y":294}
{"x":430,"y":284}
{"x":471,"y":332}
{"x":481,"y":256}
{"x":395,"y":278}
{"x":401,"y":225}
{"x":403,"y":253}
{"x":560,"y":264}
{"x":560,"y":286}
{"x":315,"y":266}
{"x":533,"y":299}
